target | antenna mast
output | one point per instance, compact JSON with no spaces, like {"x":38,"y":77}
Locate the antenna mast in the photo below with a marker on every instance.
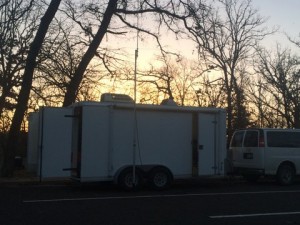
{"x":135,"y":98}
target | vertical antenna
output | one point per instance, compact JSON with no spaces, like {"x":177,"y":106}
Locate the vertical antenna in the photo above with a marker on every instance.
{"x":135,"y":64}
{"x":134,"y":110}
{"x":136,"y":53}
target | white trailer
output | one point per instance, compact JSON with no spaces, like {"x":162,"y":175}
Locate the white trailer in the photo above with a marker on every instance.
{"x":124,"y":142}
{"x":49,"y":143}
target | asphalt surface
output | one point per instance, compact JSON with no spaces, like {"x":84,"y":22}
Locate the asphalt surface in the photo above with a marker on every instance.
{"x":186,"y":203}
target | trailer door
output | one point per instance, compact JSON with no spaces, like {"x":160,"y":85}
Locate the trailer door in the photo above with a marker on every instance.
{"x":207,"y":144}
{"x":55,"y":142}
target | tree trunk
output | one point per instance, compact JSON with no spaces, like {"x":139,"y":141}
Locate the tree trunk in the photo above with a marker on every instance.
{"x":73,"y":86}
{"x":3,"y":99}
{"x":14,"y":133}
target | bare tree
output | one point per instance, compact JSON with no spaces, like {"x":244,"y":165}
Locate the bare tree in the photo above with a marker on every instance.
{"x":17,"y":25}
{"x":115,"y":18}
{"x":278,"y":90}
{"x":294,"y":40}
{"x":210,"y":92}
{"x":173,"y":80}
{"x":59,"y":57}
{"x":225,"y":37}
{"x":23,"y":97}
{"x":74,"y":83}
{"x":162,"y":80}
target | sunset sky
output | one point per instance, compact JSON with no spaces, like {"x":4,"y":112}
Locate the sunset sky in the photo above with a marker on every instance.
{"x":281,"y":14}
{"x":284,"y":14}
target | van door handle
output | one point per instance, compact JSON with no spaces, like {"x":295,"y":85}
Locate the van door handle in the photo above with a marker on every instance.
{"x":201,"y":147}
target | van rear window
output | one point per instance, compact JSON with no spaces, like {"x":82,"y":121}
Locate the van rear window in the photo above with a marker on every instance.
{"x":251,"y":139}
{"x":283,"y":139}
{"x":237,"y":139}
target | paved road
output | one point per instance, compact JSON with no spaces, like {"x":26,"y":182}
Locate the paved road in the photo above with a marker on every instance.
{"x":192,"y":203}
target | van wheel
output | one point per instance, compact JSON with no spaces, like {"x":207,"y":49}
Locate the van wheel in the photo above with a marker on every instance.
{"x":125,"y":180}
{"x":160,"y":178}
{"x":286,"y":174}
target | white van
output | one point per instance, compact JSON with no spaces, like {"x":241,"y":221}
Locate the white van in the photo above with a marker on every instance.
{"x":261,"y":152}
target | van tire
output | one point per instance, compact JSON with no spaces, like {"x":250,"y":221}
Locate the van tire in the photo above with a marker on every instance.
{"x":125,"y":179}
{"x":160,"y":178}
{"x":286,"y":174}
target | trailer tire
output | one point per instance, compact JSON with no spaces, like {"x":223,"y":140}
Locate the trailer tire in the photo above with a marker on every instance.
{"x":125,"y":179}
{"x":252,"y":178}
{"x":286,"y":174}
{"x":160,"y":178}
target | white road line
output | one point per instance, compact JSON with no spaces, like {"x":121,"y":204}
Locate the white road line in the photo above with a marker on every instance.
{"x":158,"y":196}
{"x":253,"y":215}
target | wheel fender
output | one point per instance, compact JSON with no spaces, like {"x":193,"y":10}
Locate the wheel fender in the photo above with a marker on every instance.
{"x":287,"y":163}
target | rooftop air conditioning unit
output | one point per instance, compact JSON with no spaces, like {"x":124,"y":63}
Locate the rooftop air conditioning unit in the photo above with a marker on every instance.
{"x":169,"y":102}
{"x":109,"y":97}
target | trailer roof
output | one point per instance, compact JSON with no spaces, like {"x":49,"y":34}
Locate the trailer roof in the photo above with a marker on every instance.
{"x":148,"y":107}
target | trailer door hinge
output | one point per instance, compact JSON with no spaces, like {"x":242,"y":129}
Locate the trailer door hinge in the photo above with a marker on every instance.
{"x":69,"y":169}
{"x":71,"y":116}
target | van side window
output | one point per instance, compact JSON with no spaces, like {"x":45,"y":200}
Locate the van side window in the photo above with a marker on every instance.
{"x":283,"y":139}
{"x":237,"y":140}
{"x":251,"y":139}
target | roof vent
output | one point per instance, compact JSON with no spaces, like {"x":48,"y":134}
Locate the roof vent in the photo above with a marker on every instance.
{"x":169,"y":101}
{"x":109,"y":97}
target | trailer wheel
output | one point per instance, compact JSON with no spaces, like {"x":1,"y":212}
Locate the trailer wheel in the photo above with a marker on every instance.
{"x":160,"y":178}
{"x":286,"y":174}
{"x":125,"y":180}
{"x":252,"y":178}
